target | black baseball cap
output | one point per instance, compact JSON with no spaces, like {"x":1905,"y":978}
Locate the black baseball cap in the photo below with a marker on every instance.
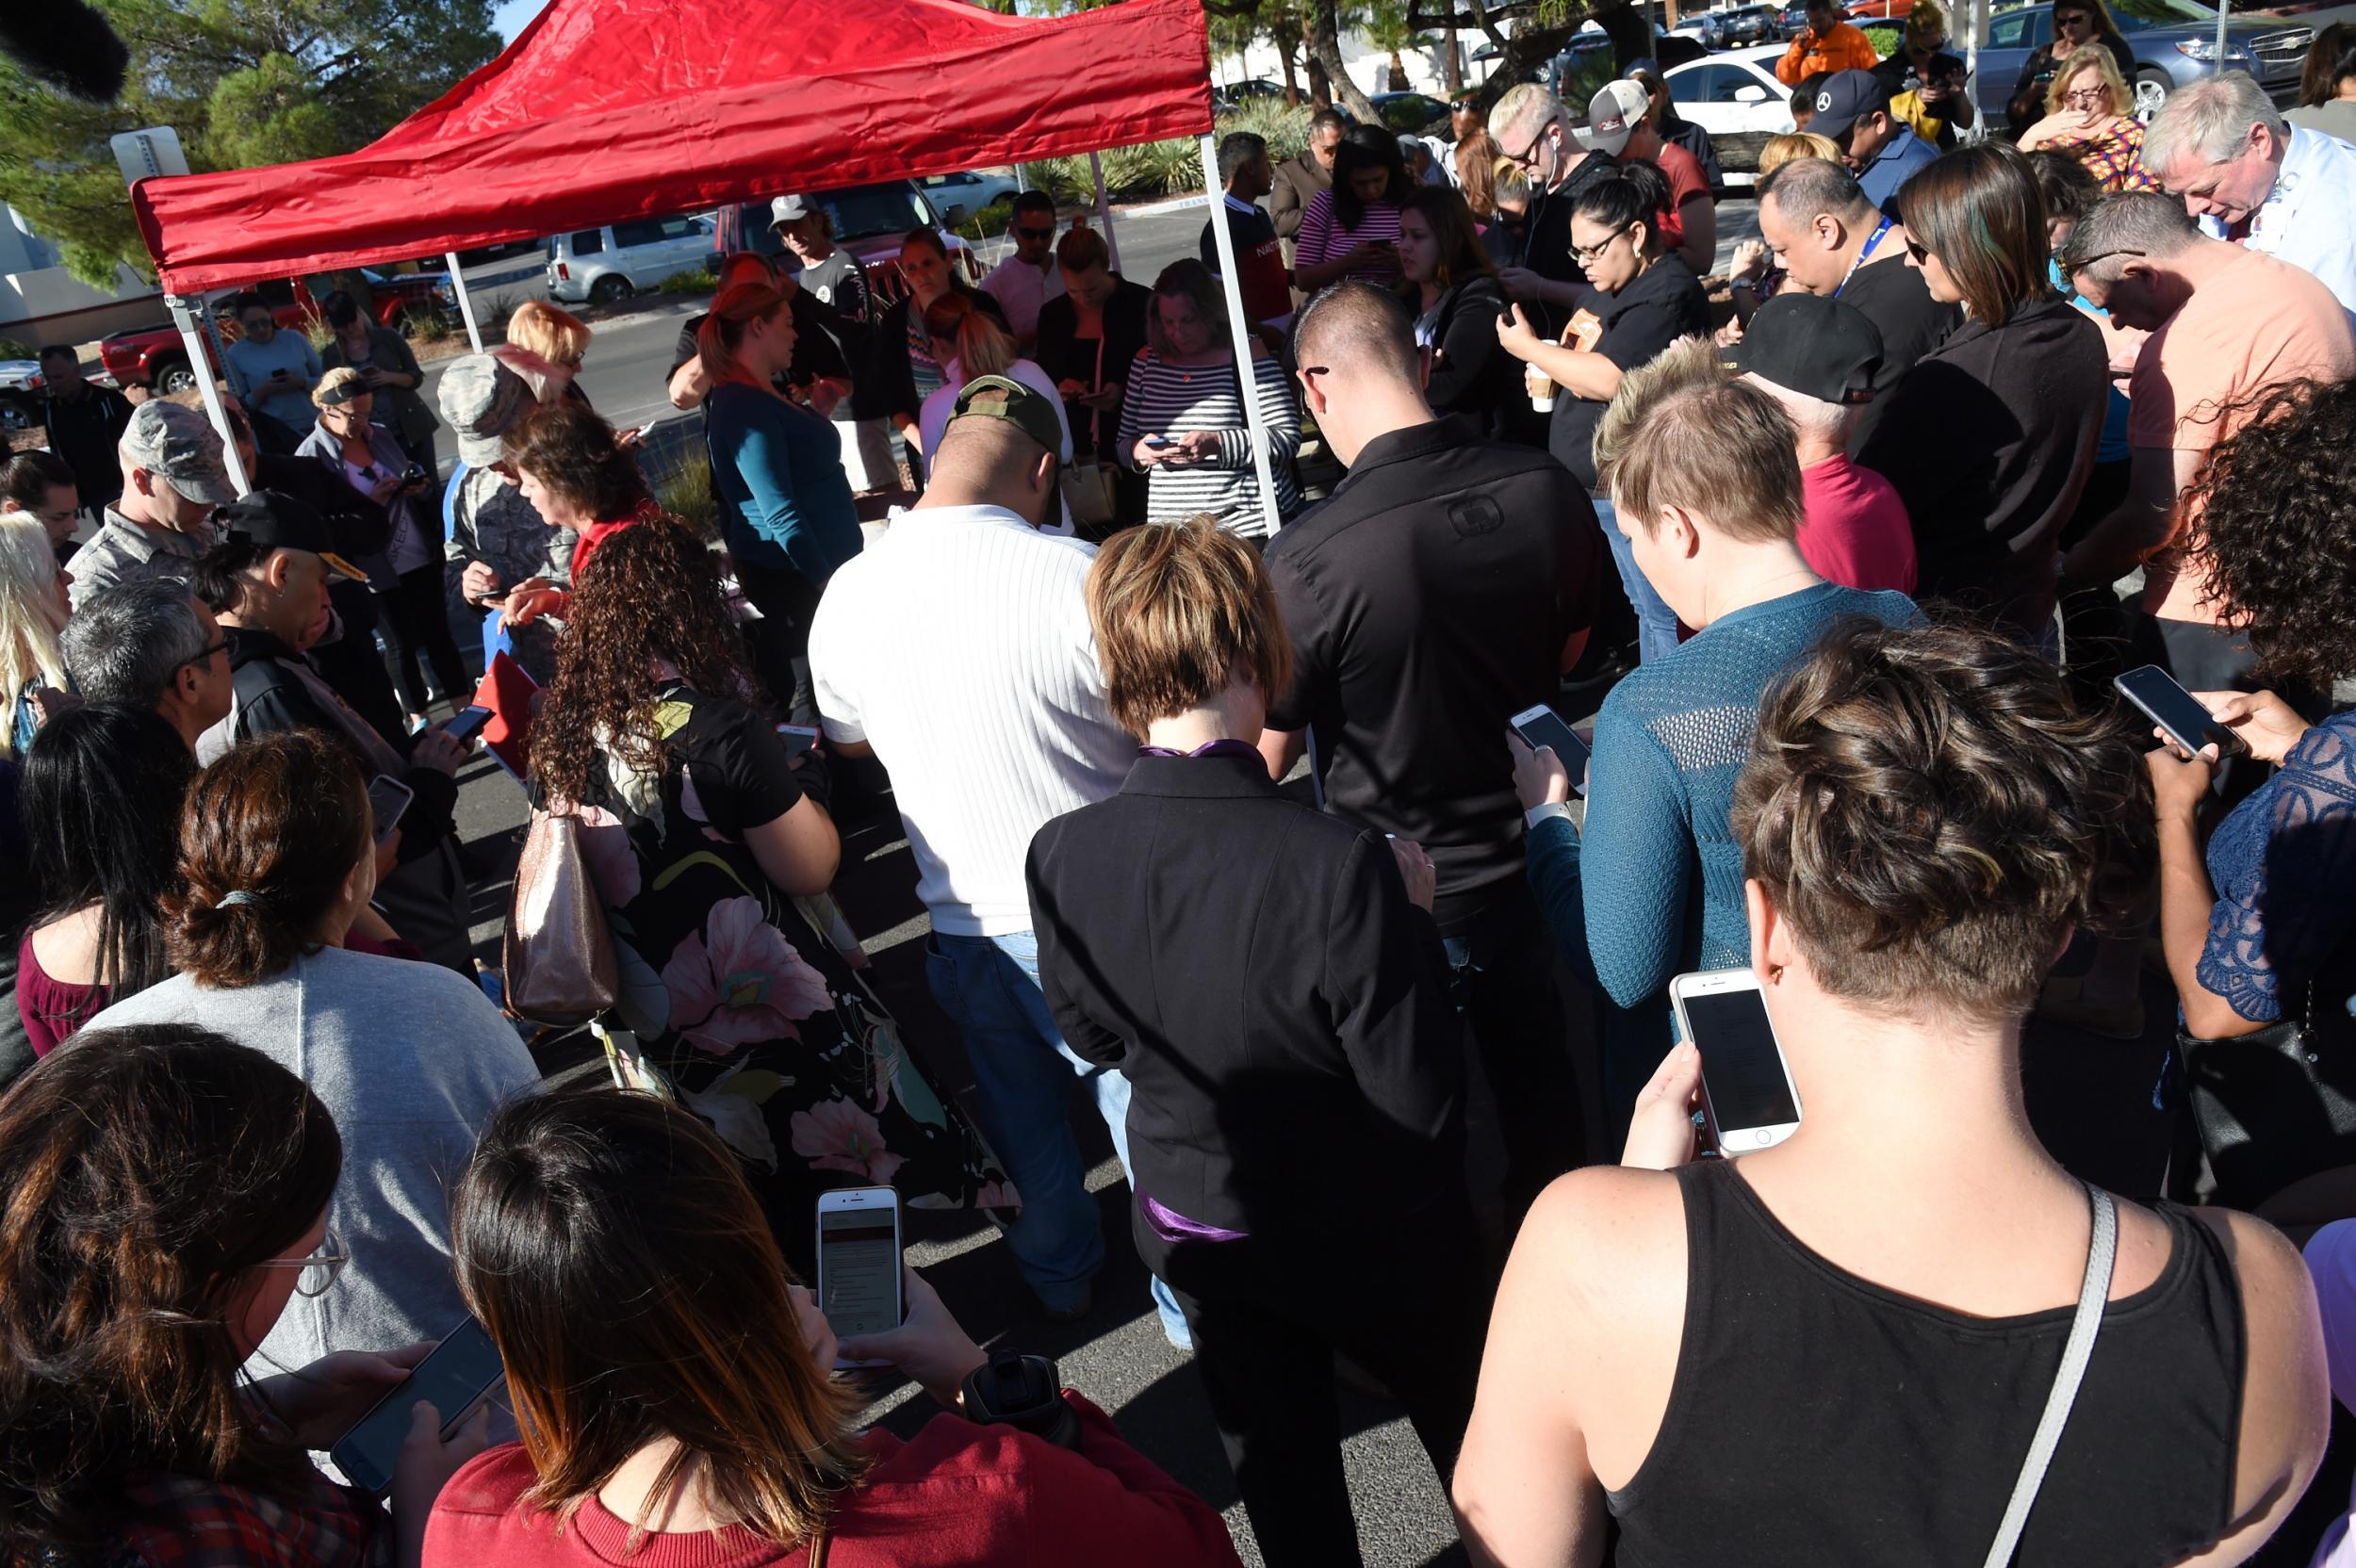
{"x":1844,"y":96}
{"x":275,"y":520}
{"x":1814,"y":346}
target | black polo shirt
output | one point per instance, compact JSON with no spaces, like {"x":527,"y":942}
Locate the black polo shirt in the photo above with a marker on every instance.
{"x":1429,"y":601}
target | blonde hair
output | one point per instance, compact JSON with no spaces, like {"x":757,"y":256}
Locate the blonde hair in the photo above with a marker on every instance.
{"x":336,"y":380}
{"x":1176,"y":607}
{"x":28,"y":625}
{"x":1527,"y":104}
{"x":984,"y":348}
{"x":556,"y":336}
{"x":1793,"y":145}
{"x":1926,"y":22}
{"x":2086,"y":57}
{"x":1684,"y":402}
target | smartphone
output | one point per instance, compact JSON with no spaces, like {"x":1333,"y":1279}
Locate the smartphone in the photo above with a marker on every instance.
{"x":645,"y":430}
{"x":798,"y":738}
{"x":454,"y":1376}
{"x":388,"y":797}
{"x":1156,"y":443}
{"x":1747,"y":1092}
{"x":2176,"y":711}
{"x":468,"y":723}
{"x":1543,"y":727}
{"x":858,"y":1263}
{"x":415,"y":476}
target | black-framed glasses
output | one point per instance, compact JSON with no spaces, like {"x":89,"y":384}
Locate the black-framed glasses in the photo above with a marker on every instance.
{"x":1025,"y":232}
{"x":1527,"y":156}
{"x":318,"y":1271}
{"x":219,"y":646}
{"x":2071,"y":269}
{"x":1585,"y":253}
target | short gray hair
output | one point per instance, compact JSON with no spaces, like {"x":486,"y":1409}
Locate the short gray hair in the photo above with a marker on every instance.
{"x":2209,"y":118}
{"x":2143,"y":221}
{"x":1526,"y":104}
{"x":124,"y":644}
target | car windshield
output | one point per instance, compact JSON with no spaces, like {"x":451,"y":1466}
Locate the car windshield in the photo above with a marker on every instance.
{"x":866,"y":211}
{"x":2134,"y":16}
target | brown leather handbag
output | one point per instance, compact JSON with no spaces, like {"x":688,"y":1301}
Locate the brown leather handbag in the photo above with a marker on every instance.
{"x":557,"y":953}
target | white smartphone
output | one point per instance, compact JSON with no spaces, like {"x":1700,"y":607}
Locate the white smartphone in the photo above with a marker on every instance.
{"x":798,"y":738}
{"x":647,"y":429}
{"x":1747,"y":1091}
{"x":1543,"y":727}
{"x":858,"y":1263}
{"x":388,"y":797}
{"x":454,"y":1376}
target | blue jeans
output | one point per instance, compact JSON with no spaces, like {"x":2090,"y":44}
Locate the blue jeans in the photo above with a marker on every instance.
{"x":1656,"y":623}
{"x":1022,"y":1071}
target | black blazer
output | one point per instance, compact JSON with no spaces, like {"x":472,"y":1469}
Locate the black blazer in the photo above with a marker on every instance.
{"x":1061,"y":355}
{"x":894,"y":373}
{"x":1280,"y":1007}
{"x":1471,"y":372}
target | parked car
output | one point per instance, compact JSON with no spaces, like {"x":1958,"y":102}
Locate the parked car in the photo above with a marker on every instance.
{"x":1791,"y":23}
{"x":868,"y":221}
{"x":1881,"y":10}
{"x":609,"y":264}
{"x":2173,"y":43}
{"x":1736,"y":98}
{"x":1234,"y":95}
{"x":1746,"y":26}
{"x":20,"y":394}
{"x":1412,"y":113}
{"x":958,"y":197}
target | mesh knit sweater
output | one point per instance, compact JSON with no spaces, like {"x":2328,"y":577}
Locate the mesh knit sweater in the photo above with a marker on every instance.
{"x":1654,"y":889}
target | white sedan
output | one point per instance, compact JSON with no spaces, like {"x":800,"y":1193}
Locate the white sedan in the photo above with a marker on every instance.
{"x":1736,"y":98}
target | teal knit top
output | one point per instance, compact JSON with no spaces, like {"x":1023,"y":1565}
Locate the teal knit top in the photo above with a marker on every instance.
{"x":1655,"y":889}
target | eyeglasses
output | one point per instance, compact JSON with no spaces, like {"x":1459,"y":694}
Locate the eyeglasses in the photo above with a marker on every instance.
{"x":2088,"y":98}
{"x":1585,"y":253}
{"x":1025,"y":232}
{"x":1527,"y":156}
{"x":205,"y":657}
{"x":318,"y":1271}
{"x":2071,"y":269}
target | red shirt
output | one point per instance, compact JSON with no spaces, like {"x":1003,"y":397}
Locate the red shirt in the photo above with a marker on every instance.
{"x":1855,"y":531}
{"x":961,"y":1494}
{"x":1686,"y":181}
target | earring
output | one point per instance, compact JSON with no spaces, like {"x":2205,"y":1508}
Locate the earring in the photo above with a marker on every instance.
{"x":1774,"y":974}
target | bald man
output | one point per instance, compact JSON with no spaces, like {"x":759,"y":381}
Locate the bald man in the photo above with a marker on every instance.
{"x":1445,"y":586}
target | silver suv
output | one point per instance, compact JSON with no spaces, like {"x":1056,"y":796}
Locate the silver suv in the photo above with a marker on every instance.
{"x":609,"y":264}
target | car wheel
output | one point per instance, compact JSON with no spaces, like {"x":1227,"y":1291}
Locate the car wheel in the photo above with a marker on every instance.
{"x":2152,"y":90}
{"x":172,"y":375}
{"x":611,"y":290}
{"x":16,"y":413}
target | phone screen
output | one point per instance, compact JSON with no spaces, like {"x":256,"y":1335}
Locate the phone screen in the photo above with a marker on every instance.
{"x":468,"y":723}
{"x":451,"y":1379}
{"x":2175,"y":709}
{"x":1550,"y":728}
{"x":388,"y":797}
{"x":859,"y":1267}
{"x":1742,"y":1070}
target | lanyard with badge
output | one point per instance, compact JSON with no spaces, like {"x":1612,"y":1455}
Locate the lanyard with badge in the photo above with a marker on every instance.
{"x":1862,"y":257}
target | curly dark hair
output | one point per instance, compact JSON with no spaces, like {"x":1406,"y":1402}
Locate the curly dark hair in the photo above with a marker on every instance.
{"x":649,"y":595}
{"x":2277,"y":518}
{"x":1932,"y":810}
{"x":571,"y":450}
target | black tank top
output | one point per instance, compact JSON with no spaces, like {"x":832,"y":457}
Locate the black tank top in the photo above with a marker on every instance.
{"x":1817,"y":1418}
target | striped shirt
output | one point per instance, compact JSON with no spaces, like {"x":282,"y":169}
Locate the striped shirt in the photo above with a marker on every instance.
{"x":1175,"y":400}
{"x":1324,"y":238}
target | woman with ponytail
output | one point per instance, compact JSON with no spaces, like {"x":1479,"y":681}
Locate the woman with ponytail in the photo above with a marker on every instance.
{"x":1646,"y":299}
{"x":970,"y":344}
{"x":787,"y":514}
{"x":278,"y":861}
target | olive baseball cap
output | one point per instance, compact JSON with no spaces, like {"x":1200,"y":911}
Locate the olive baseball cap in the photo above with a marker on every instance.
{"x":482,"y":400}
{"x":179,"y":446}
{"x":1003,"y":397}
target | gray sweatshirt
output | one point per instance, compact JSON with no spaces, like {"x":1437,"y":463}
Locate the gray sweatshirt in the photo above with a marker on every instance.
{"x":410,"y":1060}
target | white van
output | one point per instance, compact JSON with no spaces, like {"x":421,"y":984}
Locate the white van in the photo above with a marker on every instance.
{"x":609,"y":264}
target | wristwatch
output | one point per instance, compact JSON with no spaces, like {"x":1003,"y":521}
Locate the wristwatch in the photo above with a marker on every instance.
{"x":1021,"y":1392}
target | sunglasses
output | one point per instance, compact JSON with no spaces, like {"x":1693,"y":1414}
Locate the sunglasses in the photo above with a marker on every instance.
{"x":1527,"y":156}
{"x":2070,"y":270}
{"x":1916,"y":249}
{"x":1026,"y":232}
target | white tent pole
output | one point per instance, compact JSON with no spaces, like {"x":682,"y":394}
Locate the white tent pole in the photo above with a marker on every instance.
{"x":1978,"y":132}
{"x":465,"y":304}
{"x":201,"y":366}
{"x":1247,"y":380}
{"x":1105,"y":209}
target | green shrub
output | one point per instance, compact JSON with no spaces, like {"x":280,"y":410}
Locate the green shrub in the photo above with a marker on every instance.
{"x":1172,"y":167}
{"x":686,"y":491}
{"x":696,"y":281}
{"x":13,"y":348}
{"x":990,"y":223}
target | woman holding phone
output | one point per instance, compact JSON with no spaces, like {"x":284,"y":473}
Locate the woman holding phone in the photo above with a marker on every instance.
{"x":406,"y":577}
{"x":636,"y":1440}
{"x":1351,"y":230}
{"x":1705,"y":1350}
{"x":169,"y":1199}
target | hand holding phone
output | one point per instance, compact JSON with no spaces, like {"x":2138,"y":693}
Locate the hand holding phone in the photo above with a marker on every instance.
{"x":858,"y":1264}
{"x":467,"y":725}
{"x":1660,"y":1132}
{"x":1542,"y":726}
{"x":388,"y":797}
{"x":454,"y":1379}
{"x":1747,"y":1094}
{"x":2178,"y":715}
{"x":929,"y":1346}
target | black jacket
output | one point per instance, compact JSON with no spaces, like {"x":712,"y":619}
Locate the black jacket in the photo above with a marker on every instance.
{"x":1061,"y":355}
{"x":84,"y":433}
{"x":1472,"y":375}
{"x":893,"y":375}
{"x":1280,"y":1008}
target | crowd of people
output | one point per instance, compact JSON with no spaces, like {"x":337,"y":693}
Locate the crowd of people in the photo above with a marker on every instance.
{"x":1229,"y":832}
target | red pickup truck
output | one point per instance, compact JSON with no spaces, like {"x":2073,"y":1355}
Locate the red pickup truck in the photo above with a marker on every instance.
{"x":153,"y":356}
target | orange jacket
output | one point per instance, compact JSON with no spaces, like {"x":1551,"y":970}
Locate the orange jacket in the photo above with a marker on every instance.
{"x":1843,"y":49}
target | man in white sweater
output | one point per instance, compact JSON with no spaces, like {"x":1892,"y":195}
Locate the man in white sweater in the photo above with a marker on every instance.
{"x":957,"y":648}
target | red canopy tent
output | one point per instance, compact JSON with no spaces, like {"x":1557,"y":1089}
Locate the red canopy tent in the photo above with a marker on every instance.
{"x":606,"y":110}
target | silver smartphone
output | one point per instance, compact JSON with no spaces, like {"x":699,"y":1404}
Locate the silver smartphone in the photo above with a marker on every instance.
{"x":1543,"y":727}
{"x":1747,"y":1092}
{"x":858,"y":1263}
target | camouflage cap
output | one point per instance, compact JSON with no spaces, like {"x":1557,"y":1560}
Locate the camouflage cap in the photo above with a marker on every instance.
{"x":179,"y":446}
{"x":482,"y":400}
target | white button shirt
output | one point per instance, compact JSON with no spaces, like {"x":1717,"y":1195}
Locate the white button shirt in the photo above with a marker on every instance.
{"x":2310,"y":220}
